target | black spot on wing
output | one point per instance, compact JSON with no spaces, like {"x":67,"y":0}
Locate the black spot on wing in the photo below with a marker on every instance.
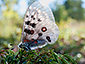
{"x":26,"y":16}
{"x":28,"y":31}
{"x":40,"y":34}
{"x":27,"y":22}
{"x":33,"y":25}
{"x":25,"y":30}
{"x":48,"y":38}
{"x":39,"y":20}
{"x":32,"y":16}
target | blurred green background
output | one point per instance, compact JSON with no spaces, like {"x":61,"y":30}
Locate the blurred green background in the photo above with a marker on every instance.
{"x":69,"y":16}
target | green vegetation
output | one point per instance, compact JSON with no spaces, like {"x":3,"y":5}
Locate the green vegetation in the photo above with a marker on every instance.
{"x":68,"y":49}
{"x":35,"y":57}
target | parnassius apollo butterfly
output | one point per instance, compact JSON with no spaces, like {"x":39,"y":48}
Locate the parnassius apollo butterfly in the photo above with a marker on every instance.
{"x":39,"y":28}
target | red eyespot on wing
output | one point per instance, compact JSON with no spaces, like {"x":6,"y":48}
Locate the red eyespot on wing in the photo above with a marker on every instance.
{"x":44,"y":29}
{"x":32,"y":32}
{"x":35,"y":42}
{"x":25,"y":40}
{"x":32,"y":40}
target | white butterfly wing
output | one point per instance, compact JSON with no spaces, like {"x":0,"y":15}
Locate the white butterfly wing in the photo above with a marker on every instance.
{"x":40,"y":20}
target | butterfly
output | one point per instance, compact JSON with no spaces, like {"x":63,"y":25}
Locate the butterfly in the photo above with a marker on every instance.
{"x":39,"y":27}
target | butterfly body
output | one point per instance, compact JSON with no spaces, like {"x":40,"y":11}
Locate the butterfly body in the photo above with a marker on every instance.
{"x":39,"y":28}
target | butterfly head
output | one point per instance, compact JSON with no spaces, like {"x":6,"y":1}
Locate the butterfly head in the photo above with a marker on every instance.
{"x":24,"y":46}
